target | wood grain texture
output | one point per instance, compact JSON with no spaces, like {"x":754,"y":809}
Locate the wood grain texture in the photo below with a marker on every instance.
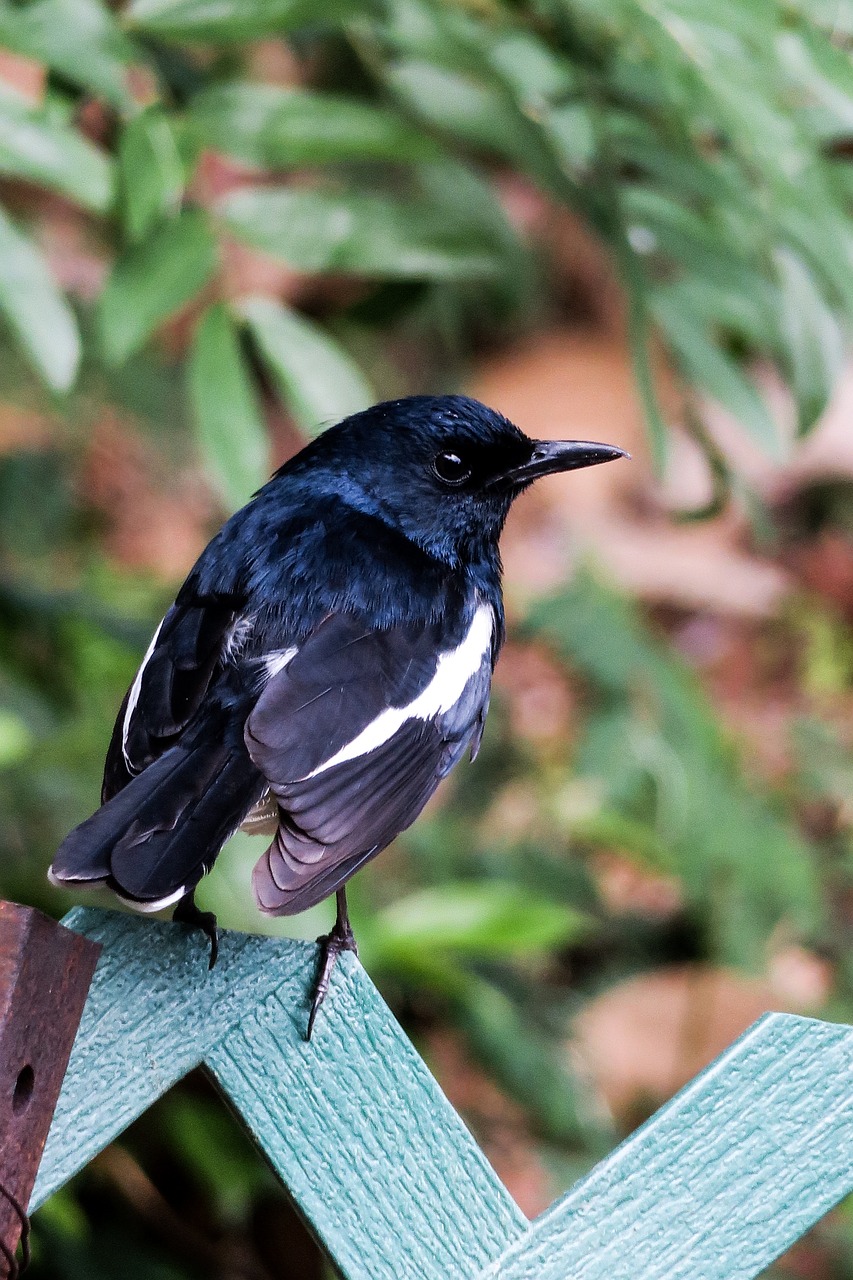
{"x":722,"y":1179}
{"x":45,"y":972}
{"x":390,"y":1179}
{"x":359,"y":1131}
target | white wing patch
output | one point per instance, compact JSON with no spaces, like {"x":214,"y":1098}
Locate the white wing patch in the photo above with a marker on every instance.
{"x":133,"y":697}
{"x":278,"y":660}
{"x":146,"y":908}
{"x":454,"y":670}
{"x":236,"y":637}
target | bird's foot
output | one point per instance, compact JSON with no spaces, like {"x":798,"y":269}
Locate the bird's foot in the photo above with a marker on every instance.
{"x":186,"y":912}
{"x":333,"y":944}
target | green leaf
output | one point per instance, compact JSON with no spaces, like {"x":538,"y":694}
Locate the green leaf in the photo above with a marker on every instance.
{"x":527,"y":1063}
{"x":229,"y":20}
{"x":317,"y":380}
{"x":470,"y":110}
{"x":443,"y":34}
{"x":609,"y":829}
{"x":78,"y":38}
{"x":151,"y":172}
{"x":815,"y":345}
{"x":369,"y":235}
{"x":822,"y":72}
{"x":478,"y":918}
{"x":817,"y":227}
{"x":836,"y":16}
{"x":707,"y":365}
{"x":222,"y":1159}
{"x":639,"y":345}
{"x":536,"y":74}
{"x":459,"y":196}
{"x":823,"y":760}
{"x":280,"y":128}
{"x":35,"y":309}
{"x":751,"y":316}
{"x":571,"y":133}
{"x":658,"y":224}
{"x":16,"y":740}
{"x":37,"y":146}
{"x":229,"y":422}
{"x":478,"y":112}
{"x":152,"y":281}
{"x":672,"y":162}
{"x":655,"y":753}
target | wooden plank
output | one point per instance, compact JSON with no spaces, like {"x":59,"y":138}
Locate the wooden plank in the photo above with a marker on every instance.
{"x":153,"y":1012}
{"x":45,"y":972}
{"x":371,"y":1150}
{"x":721,"y":1180}
{"x":387,"y":1174}
{"x":717,"y":1184}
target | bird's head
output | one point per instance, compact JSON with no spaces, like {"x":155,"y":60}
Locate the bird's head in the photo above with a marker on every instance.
{"x":443,"y":469}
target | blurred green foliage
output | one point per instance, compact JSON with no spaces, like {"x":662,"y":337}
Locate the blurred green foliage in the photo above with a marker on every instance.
{"x":708,"y":147}
{"x":704,"y":144}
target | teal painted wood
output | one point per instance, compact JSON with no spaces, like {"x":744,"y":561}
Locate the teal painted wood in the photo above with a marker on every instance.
{"x":715,"y":1186}
{"x":152,"y":1014}
{"x":722,"y":1179}
{"x":380,"y":1164}
{"x":357,"y":1128}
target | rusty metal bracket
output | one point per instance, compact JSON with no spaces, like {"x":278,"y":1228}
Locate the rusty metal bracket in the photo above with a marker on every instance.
{"x":45,"y":972}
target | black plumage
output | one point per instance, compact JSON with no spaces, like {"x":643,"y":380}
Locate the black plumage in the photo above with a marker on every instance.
{"x":339,"y":683}
{"x":327,"y":659}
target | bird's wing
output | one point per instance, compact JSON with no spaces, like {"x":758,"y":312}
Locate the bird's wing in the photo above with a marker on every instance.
{"x":169,"y":686}
{"x":353,"y":736}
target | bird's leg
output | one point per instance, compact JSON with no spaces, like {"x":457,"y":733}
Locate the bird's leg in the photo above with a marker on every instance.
{"x":186,"y":912}
{"x":340,"y":939}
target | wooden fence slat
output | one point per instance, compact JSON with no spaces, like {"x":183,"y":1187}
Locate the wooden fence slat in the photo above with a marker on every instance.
{"x":716,"y":1185}
{"x":369,"y":1147}
{"x":722,"y":1179}
{"x":153,"y":1012}
{"x":360,"y":1133}
{"x":45,"y":972}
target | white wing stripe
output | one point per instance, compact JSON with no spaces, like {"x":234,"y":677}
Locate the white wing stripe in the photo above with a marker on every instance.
{"x":134,"y":697}
{"x":454,"y":670}
{"x":278,"y":660}
{"x":145,"y":907}
{"x":148,"y":907}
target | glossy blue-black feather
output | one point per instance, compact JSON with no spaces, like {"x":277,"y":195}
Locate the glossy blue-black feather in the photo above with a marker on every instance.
{"x":327,"y":599}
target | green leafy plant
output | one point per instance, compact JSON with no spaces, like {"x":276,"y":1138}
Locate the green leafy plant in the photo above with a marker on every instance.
{"x":703,"y":146}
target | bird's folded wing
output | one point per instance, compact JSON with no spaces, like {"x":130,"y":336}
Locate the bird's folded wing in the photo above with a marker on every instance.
{"x":353,"y":736}
{"x":168,"y":688}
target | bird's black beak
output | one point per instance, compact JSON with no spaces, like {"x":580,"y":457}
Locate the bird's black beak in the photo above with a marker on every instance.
{"x":550,"y":456}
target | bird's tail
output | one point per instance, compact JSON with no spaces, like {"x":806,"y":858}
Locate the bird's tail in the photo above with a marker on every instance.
{"x":154,"y":840}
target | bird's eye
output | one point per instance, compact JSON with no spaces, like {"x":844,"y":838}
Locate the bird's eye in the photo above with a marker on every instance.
{"x":450,"y":468}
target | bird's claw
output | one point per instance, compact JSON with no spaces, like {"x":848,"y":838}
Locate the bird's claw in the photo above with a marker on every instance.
{"x":186,"y":912}
{"x":333,"y":944}
{"x":209,"y":926}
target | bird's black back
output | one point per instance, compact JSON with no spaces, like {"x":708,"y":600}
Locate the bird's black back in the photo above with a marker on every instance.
{"x":350,"y":589}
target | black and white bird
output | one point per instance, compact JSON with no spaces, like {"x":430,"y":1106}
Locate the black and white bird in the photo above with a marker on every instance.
{"x":325,"y":664}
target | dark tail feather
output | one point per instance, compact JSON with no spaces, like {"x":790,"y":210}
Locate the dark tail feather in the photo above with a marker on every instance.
{"x":159,"y":835}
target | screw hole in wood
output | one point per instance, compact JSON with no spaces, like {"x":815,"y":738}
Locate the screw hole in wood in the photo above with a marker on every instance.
{"x":23,"y":1089}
